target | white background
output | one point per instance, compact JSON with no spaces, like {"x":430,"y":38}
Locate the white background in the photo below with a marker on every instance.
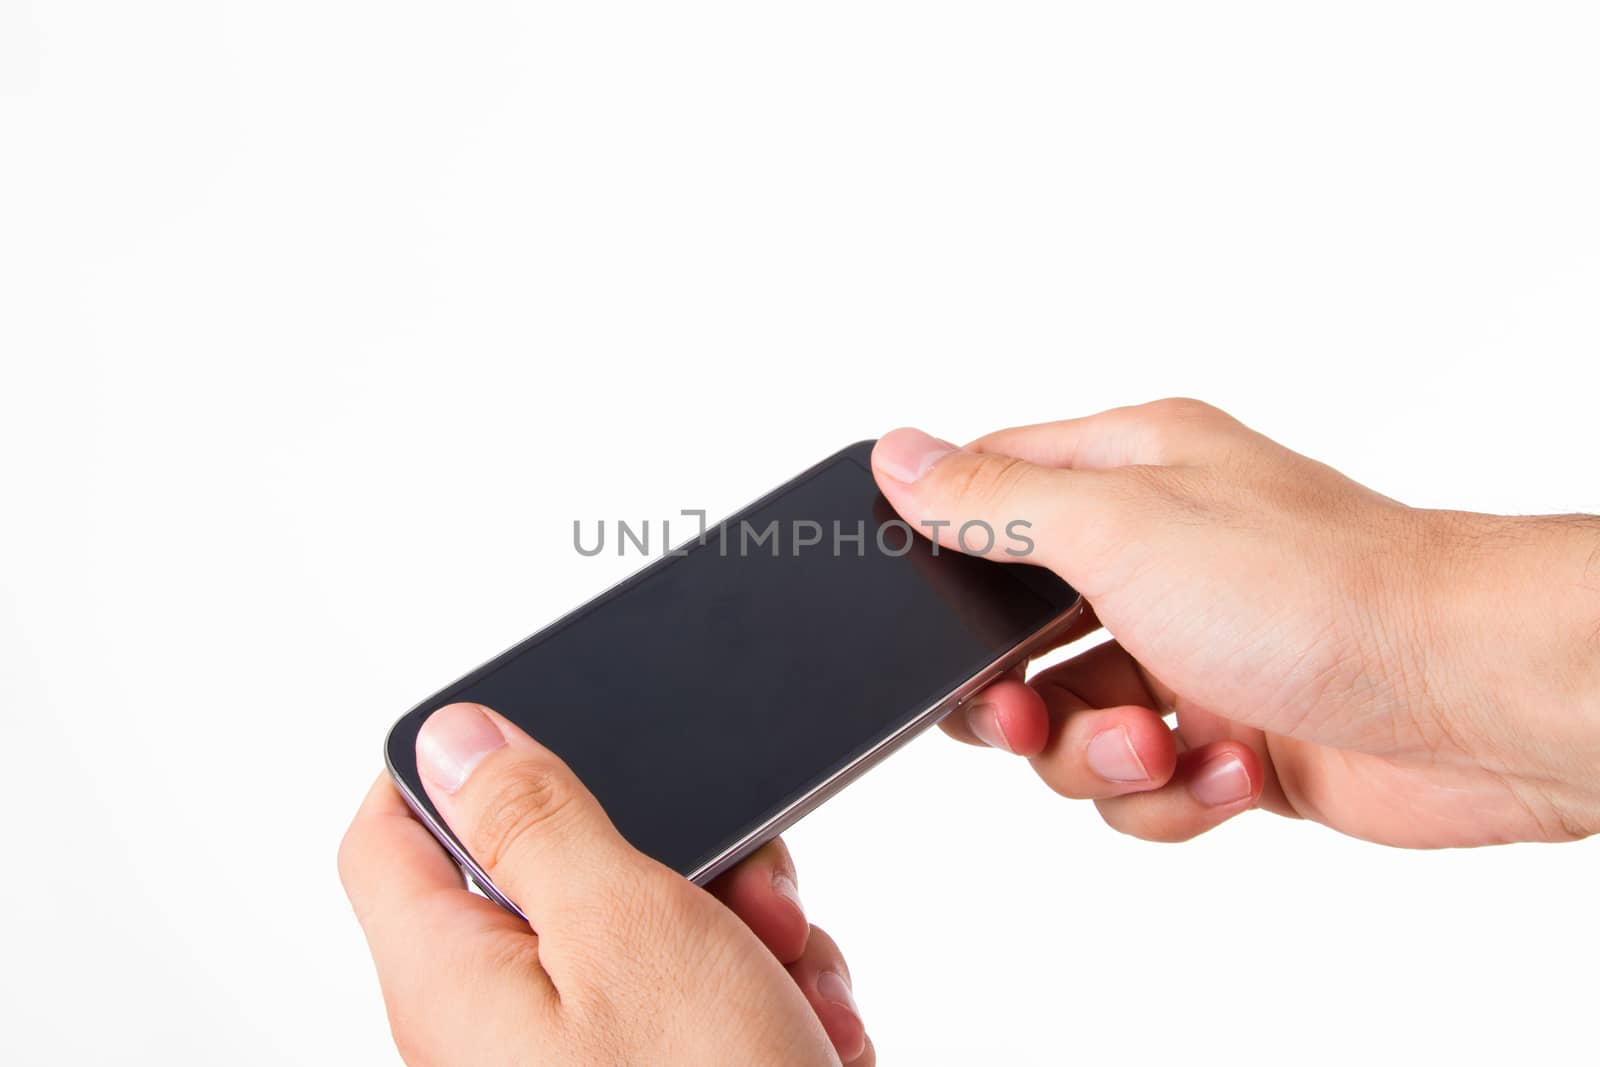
{"x":322,"y":321}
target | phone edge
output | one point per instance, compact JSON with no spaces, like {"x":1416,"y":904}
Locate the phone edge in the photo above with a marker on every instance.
{"x":860,"y":451}
{"x":825,"y":790}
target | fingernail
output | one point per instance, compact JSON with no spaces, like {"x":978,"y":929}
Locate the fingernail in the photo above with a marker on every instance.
{"x":836,"y":990}
{"x":1221,"y":782}
{"x":983,"y":720}
{"x":1112,"y":757}
{"x":452,"y":742}
{"x":784,"y":886}
{"x":906,"y":455}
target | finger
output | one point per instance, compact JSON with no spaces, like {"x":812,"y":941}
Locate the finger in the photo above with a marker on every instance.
{"x":1163,"y":432}
{"x":763,"y":892}
{"x":1196,"y":727}
{"x":1008,"y":715}
{"x":410,"y":899}
{"x":1095,"y":753}
{"x":824,"y":978}
{"x":995,"y":506}
{"x":387,"y":856}
{"x":1103,"y":676}
{"x":1105,"y":737}
{"x":1211,"y":784}
{"x":537,"y":832}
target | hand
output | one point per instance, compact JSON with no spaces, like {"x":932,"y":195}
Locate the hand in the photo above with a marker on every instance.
{"x":1418,"y":678}
{"x":631,"y":963}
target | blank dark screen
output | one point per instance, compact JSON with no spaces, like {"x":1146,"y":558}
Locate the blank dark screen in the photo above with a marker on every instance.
{"x":714,"y":689}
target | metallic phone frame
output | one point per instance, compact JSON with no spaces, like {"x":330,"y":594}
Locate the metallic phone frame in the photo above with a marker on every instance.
{"x":1015,"y":656}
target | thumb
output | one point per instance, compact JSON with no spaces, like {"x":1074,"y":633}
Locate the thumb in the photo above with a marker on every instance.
{"x":982,"y":503}
{"x":542,"y":837}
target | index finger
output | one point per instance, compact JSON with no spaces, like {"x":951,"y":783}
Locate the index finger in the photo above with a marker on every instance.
{"x":408,"y":893}
{"x":387,"y":857}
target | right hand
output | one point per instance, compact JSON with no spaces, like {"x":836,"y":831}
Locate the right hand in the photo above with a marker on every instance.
{"x":1418,"y":678}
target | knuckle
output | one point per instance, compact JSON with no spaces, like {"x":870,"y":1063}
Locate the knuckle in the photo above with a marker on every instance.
{"x":347,"y":861}
{"x":1181,"y":409}
{"x":531,"y":799}
{"x":821,"y":946}
{"x":990,"y":477}
{"x":1173,"y":428}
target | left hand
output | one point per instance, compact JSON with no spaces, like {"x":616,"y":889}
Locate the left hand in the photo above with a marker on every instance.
{"x":631,"y":963}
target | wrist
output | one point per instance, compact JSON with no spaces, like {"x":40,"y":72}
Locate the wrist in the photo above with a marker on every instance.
{"x":1514,"y":609}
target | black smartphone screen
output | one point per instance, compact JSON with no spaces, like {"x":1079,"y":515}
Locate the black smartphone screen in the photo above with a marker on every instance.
{"x":712,"y":690}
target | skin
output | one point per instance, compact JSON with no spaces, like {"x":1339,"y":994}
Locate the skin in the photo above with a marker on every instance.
{"x":1412,"y":677}
{"x":630,"y":964}
{"x":1416,"y":678}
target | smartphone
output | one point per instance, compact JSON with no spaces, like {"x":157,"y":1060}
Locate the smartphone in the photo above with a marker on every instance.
{"x":726,"y":689}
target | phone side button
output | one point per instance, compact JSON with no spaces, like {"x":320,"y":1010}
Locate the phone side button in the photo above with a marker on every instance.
{"x":984,"y":681}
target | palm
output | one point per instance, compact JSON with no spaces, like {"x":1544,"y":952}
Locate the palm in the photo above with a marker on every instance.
{"x":1378,"y":782}
{"x":1399,"y":801}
